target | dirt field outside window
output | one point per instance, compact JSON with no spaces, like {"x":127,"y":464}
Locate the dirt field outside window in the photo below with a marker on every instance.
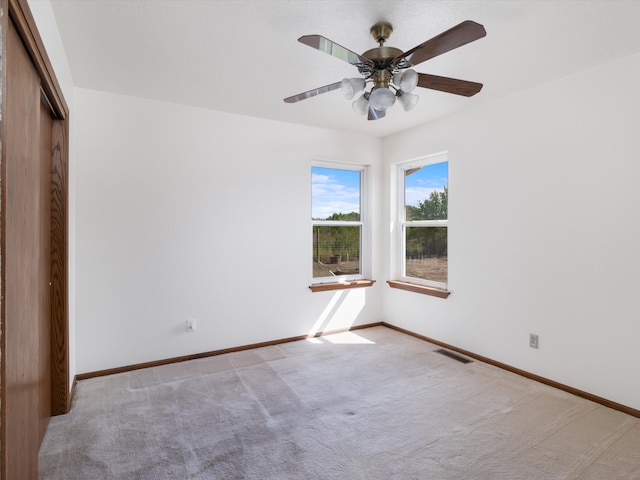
{"x":434,"y":269}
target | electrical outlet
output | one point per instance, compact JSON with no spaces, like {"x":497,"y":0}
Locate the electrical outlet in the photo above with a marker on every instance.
{"x":533,"y":340}
{"x":191,"y":325}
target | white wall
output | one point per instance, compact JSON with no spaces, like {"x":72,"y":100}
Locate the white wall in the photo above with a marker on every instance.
{"x":189,"y":213}
{"x":544,"y":233}
{"x":48,"y":29}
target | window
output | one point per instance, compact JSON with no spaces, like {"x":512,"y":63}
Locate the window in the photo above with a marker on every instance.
{"x":423,"y":221}
{"x":337,"y":223}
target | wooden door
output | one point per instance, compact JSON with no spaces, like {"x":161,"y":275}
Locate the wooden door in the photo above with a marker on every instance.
{"x":27,"y":257}
{"x":34,"y":349}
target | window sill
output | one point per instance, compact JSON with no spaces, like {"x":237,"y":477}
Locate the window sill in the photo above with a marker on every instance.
{"x":414,"y":287}
{"x":323,"y":287}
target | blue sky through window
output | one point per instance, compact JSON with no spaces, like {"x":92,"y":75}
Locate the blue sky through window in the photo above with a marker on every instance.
{"x":419,"y":184}
{"x":334,"y":191}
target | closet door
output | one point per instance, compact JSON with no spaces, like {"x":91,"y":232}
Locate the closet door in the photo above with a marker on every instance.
{"x":44,"y":267}
{"x":27,"y":210}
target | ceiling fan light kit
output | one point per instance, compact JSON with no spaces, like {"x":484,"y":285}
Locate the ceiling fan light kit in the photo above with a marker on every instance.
{"x":388,"y":69}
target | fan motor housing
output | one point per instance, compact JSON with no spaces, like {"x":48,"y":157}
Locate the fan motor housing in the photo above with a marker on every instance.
{"x":382,"y":56}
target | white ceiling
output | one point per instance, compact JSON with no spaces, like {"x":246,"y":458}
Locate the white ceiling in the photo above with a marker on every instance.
{"x":242,"y":56}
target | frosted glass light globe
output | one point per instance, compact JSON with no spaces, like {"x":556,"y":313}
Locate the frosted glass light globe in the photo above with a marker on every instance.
{"x":351,"y":86}
{"x":407,"y":80}
{"x":361,"y":105}
{"x":407,"y":100}
{"x":381,"y":98}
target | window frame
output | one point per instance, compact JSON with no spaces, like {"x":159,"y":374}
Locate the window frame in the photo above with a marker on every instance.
{"x":351,"y":280}
{"x":403,"y":223}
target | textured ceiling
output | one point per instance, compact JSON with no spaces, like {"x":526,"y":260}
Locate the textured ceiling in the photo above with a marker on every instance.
{"x":242,"y":56}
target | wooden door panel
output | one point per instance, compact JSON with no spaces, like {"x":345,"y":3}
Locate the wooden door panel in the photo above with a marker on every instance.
{"x":26,"y":259}
{"x":44,"y":269}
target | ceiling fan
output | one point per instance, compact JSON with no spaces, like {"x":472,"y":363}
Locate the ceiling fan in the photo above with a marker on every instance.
{"x":387,"y":69}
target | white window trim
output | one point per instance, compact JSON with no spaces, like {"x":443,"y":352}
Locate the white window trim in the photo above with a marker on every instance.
{"x":402,"y":223}
{"x":364,"y":222}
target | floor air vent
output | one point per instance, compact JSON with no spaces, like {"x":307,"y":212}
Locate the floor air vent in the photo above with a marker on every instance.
{"x":455,"y":356}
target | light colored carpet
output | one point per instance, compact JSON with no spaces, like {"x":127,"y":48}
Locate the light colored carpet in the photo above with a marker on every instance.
{"x":369,"y":404}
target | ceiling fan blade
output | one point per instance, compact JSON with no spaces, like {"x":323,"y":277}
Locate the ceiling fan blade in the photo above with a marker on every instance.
{"x":312,"y":93}
{"x":449,"y":85}
{"x":327,"y":46}
{"x":375,"y":114}
{"x":461,"y":34}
